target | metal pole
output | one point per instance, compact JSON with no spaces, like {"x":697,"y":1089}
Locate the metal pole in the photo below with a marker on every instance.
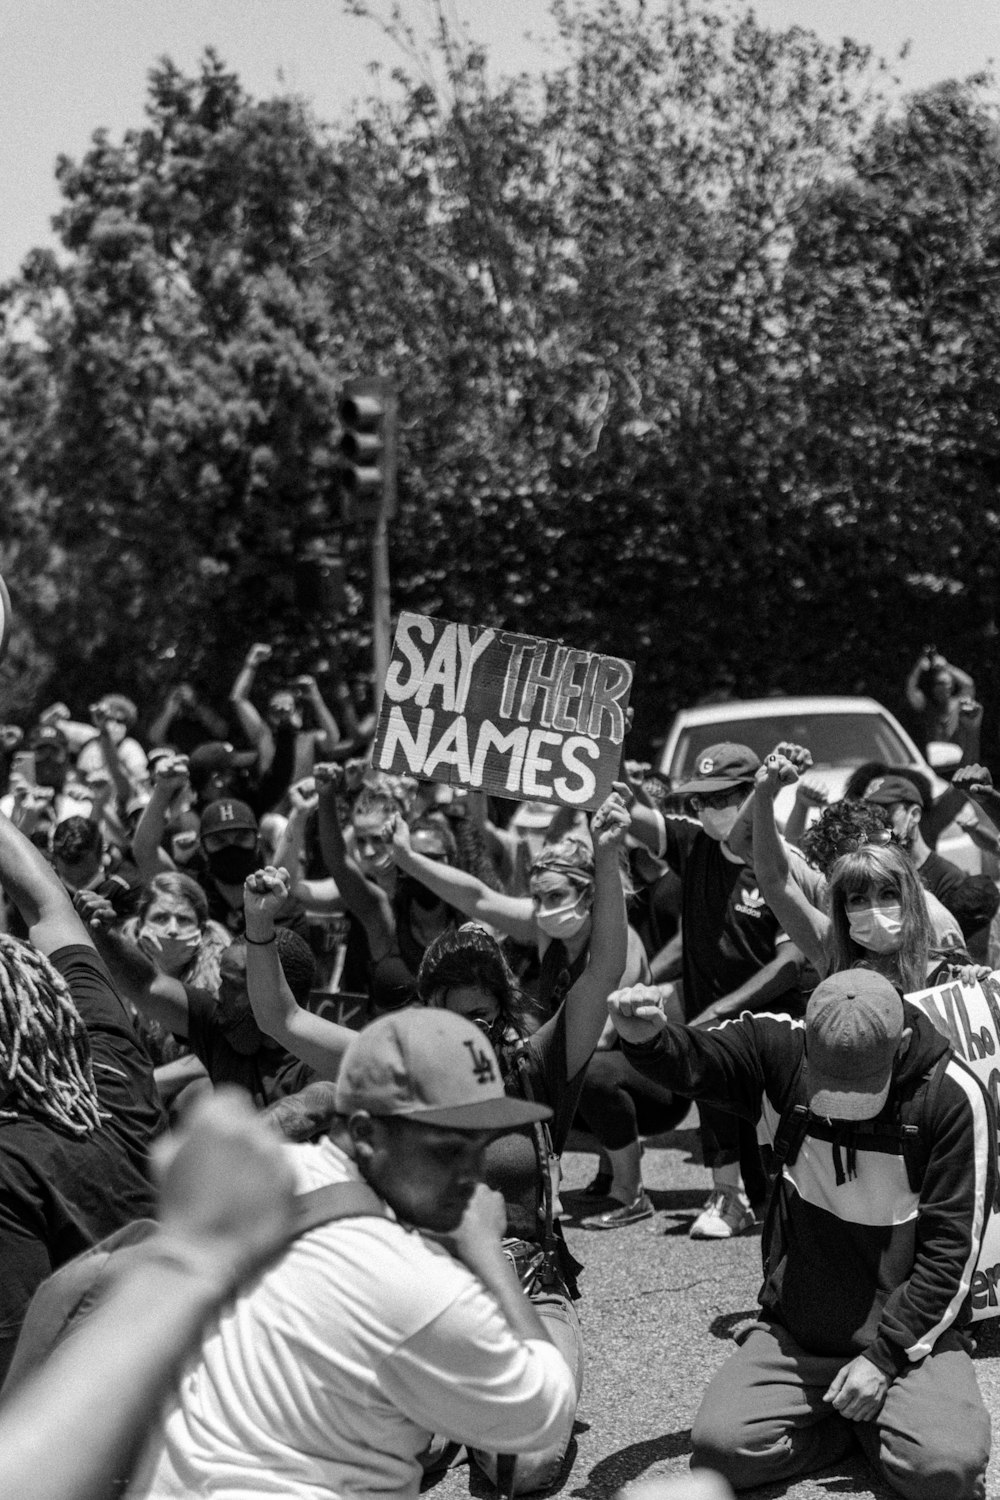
{"x":381,"y":614}
{"x":381,"y":604}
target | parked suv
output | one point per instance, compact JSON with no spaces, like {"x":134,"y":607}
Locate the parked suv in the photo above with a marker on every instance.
{"x":840,"y":733}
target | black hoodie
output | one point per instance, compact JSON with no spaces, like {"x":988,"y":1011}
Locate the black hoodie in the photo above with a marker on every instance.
{"x":856,"y":1261}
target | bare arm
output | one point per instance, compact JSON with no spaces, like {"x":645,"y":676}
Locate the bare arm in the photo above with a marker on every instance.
{"x":316,"y":1041}
{"x":363,"y":899}
{"x":329,"y":737}
{"x":226,"y":1208}
{"x":915,"y":696}
{"x":170,"y":777}
{"x":587,"y":1001}
{"x":805,"y":924}
{"x":252,"y":724}
{"x":156,"y":996}
{"x":514,"y":915}
{"x":38,"y":893}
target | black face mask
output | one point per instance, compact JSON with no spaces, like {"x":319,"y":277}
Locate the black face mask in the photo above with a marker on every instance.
{"x":231,"y":865}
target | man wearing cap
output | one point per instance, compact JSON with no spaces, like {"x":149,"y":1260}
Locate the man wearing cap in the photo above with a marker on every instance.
{"x":229,"y":841}
{"x":735,"y":956}
{"x":329,"y":1374}
{"x":870,"y":1241}
{"x":971,"y":899}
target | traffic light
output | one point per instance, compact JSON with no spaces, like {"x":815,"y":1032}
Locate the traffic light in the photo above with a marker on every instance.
{"x":368,"y":415}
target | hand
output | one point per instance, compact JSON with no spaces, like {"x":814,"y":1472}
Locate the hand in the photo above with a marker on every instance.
{"x":398,"y":830}
{"x":303,"y":797}
{"x":354,"y":774}
{"x":970,"y":974}
{"x":610,"y":825}
{"x":304,"y":686}
{"x":483,"y":1223}
{"x":776,"y":772}
{"x":973,"y":780}
{"x":626,"y":792}
{"x":858,"y":1390}
{"x":257,"y":655}
{"x":328,"y":776}
{"x":264,"y":894}
{"x":181,"y":696}
{"x":812,"y":792}
{"x":56,"y":713}
{"x":798,"y":755}
{"x":10,"y":736}
{"x":94,"y":911}
{"x":226,"y":1188}
{"x":171,"y":774}
{"x":637,"y":1012}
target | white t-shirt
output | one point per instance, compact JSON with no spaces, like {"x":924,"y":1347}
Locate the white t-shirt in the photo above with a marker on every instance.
{"x":326,"y":1378}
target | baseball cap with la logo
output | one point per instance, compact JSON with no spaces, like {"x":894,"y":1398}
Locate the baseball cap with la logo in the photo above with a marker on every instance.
{"x":433,"y":1067}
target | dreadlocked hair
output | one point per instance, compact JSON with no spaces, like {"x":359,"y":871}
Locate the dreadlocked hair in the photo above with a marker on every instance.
{"x":45,"y":1066}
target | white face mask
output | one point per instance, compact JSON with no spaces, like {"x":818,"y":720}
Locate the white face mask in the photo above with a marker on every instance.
{"x":562,"y":923}
{"x":879,"y":928}
{"x":718,"y":822}
{"x":170,"y":953}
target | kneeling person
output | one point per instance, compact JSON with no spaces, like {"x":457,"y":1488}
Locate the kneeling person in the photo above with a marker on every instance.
{"x":870,"y":1241}
{"x":332,"y":1371}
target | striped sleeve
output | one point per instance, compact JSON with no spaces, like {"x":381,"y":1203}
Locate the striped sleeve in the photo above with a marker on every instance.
{"x":954,"y":1201}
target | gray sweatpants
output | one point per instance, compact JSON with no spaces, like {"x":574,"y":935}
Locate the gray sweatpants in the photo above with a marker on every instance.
{"x":763,"y":1420}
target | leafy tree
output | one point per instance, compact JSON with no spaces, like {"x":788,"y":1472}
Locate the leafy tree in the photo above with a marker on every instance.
{"x":694,"y":336}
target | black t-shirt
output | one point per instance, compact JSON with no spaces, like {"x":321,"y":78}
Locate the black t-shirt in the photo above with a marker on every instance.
{"x":59,"y":1193}
{"x":971,"y":899}
{"x":729,"y":930}
{"x":266,"y":1074}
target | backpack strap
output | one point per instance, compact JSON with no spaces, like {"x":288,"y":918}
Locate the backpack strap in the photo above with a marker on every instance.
{"x":789,"y":1136}
{"x":336,"y":1200}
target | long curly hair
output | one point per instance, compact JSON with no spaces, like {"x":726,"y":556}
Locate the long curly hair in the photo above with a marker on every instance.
{"x":45,"y":1066}
{"x":856,"y":874}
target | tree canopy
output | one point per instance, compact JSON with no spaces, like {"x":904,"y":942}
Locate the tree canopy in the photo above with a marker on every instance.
{"x":695,"y":335}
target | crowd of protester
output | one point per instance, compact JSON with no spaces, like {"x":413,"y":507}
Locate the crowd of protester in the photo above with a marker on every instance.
{"x":423,"y":992}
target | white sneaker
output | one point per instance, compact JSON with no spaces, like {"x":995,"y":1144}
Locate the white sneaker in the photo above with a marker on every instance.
{"x":727,"y":1212}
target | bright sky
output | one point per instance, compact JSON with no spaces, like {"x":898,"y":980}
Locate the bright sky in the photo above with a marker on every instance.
{"x":69,"y":66}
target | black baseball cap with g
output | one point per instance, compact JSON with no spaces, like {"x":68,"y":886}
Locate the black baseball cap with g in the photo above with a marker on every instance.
{"x":720,"y":768}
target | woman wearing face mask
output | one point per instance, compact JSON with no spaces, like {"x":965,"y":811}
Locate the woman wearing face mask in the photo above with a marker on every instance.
{"x":877,"y":912}
{"x":173,"y":927}
{"x":465,"y":971}
{"x":558,"y":917}
{"x":398,"y":917}
{"x":174,"y":930}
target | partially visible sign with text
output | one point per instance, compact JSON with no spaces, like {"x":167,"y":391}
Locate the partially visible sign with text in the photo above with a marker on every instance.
{"x":513,"y":715}
{"x":969,"y":1016}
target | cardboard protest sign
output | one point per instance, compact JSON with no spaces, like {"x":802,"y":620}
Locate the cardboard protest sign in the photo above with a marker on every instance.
{"x":969,"y":1016}
{"x":509,"y":714}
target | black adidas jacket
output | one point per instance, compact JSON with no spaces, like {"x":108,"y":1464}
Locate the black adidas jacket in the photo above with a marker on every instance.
{"x":856,"y":1260}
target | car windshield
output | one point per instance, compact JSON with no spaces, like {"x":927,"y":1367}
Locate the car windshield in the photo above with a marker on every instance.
{"x":833,"y":739}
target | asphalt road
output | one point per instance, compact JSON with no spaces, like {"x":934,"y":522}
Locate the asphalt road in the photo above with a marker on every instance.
{"x":657,"y":1312}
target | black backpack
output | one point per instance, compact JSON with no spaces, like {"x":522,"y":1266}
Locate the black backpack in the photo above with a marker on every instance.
{"x":64,"y":1300}
{"x":910,"y":1128}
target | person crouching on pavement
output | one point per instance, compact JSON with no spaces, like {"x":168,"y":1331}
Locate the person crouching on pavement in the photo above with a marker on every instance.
{"x":329,"y":1373}
{"x":869,"y":1244}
